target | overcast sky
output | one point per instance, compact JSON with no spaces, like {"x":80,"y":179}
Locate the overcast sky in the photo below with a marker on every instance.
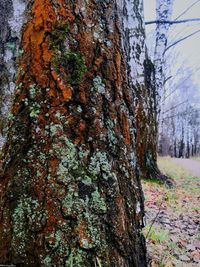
{"x":187,"y":51}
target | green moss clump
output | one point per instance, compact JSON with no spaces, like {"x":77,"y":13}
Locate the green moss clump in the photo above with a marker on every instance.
{"x":73,"y":64}
{"x":59,"y":34}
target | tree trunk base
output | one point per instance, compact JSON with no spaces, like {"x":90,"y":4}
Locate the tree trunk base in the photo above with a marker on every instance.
{"x":155,"y":174}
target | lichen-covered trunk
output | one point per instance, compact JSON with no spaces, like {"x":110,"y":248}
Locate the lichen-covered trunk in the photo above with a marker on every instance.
{"x":135,"y":51}
{"x":142,"y":81}
{"x":69,"y":189}
{"x":148,"y":130}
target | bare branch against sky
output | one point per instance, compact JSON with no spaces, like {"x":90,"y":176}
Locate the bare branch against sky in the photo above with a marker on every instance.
{"x":171,"y":21}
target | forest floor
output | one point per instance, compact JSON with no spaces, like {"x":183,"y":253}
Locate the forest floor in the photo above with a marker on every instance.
{"x":173,"y":215}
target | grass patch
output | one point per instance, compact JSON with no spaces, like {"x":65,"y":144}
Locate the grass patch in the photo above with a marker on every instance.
{"x":167,"y":207}
{"x":168,"y":167}
{"x":196,"y":158}
{"x":156,"y":234}
{"x":153,"y":181}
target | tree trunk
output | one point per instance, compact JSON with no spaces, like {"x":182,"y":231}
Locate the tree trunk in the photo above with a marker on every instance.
{"x":69,"y":188}
{"x":11,"y":22}
{"x":141,"y":80}
{"x":148,"y":130}
{"x":163,"y":13}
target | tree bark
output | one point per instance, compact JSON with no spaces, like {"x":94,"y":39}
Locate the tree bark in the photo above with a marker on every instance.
{"x":11,"y":22}
{"x":141,"y":75}
{"x":148,"y":130}
{"x":163,"y":13}
{"x":69,"y":189}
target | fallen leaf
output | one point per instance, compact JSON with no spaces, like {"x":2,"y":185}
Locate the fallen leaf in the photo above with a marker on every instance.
{"x":168,"y":264}
{"x":190,"y":247}
{"x":184,"y":258}
{"x":154,"y":264}
{"x":196,"y":254}
{"x":196,"y":243}
{"x":182,"y":243}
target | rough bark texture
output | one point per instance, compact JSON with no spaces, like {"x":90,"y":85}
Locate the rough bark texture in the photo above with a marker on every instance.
{"x":135,"y":51}
{"x":149,"y":131}
{"x":11,"y":22}
{"x":141,"y":75}
{"x":69,"y":189}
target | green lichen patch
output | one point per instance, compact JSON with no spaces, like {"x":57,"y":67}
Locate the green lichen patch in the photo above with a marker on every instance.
{"x":34,"y":110}
{"x":99,"y":163}
{"x":11,"y":46}
{"x":111,"y":134}
{"x":99,"y":85}
{"x":26,"y":216}
{"x":47,"y":261}
{"x":32,"y":91}
{"x":54,"y":128}
{"x":76,"y":258}
{"x":98,"y":202}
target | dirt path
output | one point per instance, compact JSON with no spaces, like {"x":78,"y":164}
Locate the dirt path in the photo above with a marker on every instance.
{"x":173,"y":216}
{"x":192,"y":166}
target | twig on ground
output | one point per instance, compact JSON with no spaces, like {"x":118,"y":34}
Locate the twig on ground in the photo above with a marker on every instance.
{"x":154,"y":220}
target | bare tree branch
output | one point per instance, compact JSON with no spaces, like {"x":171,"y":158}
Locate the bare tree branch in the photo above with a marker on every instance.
{"x":182,"y":114}
{"x":167,"y":79}
{"x":171,"y":21}
{"x":177,"y":87}
{"x":182,"y":39}
{"x":175,"y":106}
{"x":187,"y":9}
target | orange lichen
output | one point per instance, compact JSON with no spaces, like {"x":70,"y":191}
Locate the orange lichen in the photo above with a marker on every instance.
{"x":126,"y":130}
{"x":118,"y":67}
{"x":82,"y":126}
{"x":82,"y":93}
{"x":36,"y":188}
{"x":84,"y":239}
{"x":98,"y":62}
{"x":51,"y":93}
{"x":121,"y":217}
{"x":34,"y":36}
{"x":47,"y":56}
{"x":79,"y":140}
{"x":35,"y":43}
{"x":52,"y":220}
{"x":53,"y":164}
{"x":66,"y":89}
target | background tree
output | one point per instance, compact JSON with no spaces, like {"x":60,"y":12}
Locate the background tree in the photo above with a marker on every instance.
{"x":181,"y":117}
{"x":142,"y":81}
{"x":70,"y":192}
{"x":167,"y":77}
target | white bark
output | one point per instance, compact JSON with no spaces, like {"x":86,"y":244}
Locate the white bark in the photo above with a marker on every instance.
{"x":12,"y":18}
{"x":163,"y":13}
{"x":135,"y":36}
